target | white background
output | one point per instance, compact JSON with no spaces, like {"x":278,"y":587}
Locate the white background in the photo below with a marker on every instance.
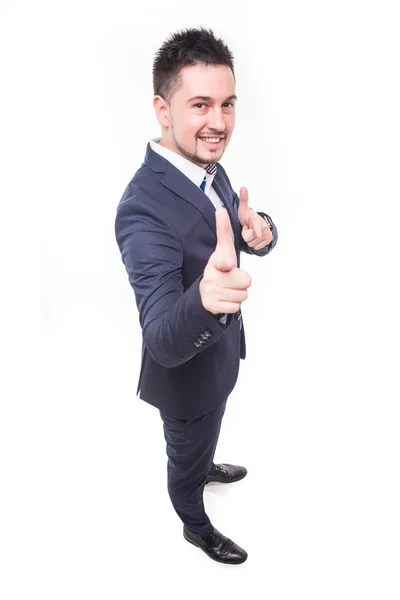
{"x":315,"y":413}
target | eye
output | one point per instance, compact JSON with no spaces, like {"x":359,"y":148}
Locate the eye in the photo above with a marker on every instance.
{"x":200,"y":104}
{"x":229,"y":104}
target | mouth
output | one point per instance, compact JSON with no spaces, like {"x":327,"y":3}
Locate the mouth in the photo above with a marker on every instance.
{"x":212,"y":141}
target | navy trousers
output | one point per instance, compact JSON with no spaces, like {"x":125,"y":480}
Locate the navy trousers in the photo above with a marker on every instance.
{"x":190,"y":449}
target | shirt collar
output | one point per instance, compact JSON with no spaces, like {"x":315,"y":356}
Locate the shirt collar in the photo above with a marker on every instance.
{"x":194,"y":172}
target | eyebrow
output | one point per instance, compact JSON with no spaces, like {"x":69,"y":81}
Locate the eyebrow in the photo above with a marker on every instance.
{"x":209,"y":99}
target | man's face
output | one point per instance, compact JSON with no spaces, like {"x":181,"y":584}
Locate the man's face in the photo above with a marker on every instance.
{"x":201,"y":115}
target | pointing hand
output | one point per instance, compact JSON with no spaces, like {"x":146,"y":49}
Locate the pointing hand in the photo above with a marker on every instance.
{"x":255,"y":230}
{"x":223,"y":286}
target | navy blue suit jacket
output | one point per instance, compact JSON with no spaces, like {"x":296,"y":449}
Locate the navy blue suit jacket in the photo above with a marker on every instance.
{"x":165,"y":228}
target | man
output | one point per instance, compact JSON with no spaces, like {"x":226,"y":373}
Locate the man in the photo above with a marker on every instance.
{"x":180,"y":228}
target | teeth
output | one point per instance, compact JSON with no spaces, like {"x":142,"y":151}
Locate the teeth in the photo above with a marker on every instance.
{"x":212,"y":140}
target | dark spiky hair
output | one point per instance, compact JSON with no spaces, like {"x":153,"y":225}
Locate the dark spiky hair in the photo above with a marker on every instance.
{"x":182,"y":49}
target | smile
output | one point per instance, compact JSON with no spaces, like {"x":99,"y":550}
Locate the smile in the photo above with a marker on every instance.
{"x":211,"y":140}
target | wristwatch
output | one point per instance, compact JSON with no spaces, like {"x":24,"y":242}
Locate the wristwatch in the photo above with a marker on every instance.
{"x":268,"y":219}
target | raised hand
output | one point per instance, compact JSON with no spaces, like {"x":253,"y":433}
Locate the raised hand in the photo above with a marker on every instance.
{"x":223,"y":286}
{"x":255,"y":230}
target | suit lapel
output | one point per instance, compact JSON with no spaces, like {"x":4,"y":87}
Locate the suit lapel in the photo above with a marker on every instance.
{"x":181,"y":185}
{"x":224,"y":191}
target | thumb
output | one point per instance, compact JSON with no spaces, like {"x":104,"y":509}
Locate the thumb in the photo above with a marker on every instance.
{"x":225,"y":253}
{"x":243,"y":197}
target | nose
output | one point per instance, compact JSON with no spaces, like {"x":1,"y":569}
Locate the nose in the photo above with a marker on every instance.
{"x":216,"y":120}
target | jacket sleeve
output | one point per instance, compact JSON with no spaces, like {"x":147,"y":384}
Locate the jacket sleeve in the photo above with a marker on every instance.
{"x":175,"y":324}
{"x":264,"y":251}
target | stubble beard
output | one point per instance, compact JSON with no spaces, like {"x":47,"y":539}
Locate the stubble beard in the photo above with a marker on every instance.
{"x":193,"y":157}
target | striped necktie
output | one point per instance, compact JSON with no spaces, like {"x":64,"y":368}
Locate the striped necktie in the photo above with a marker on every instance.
{"x":211,"y":169}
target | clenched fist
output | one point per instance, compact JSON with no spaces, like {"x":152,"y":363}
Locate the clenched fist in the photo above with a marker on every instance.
{"x":223,"y":286}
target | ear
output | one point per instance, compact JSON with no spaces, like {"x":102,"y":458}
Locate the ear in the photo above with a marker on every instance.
{"x":162,"y":111}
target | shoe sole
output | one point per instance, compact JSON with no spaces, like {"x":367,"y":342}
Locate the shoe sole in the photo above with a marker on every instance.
{"x":214,"y":479}
{"x":236,"y":562}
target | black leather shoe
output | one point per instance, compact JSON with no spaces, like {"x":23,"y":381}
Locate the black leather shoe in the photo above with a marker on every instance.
{"x":217,"y":546}
{"x":226,"y":473}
